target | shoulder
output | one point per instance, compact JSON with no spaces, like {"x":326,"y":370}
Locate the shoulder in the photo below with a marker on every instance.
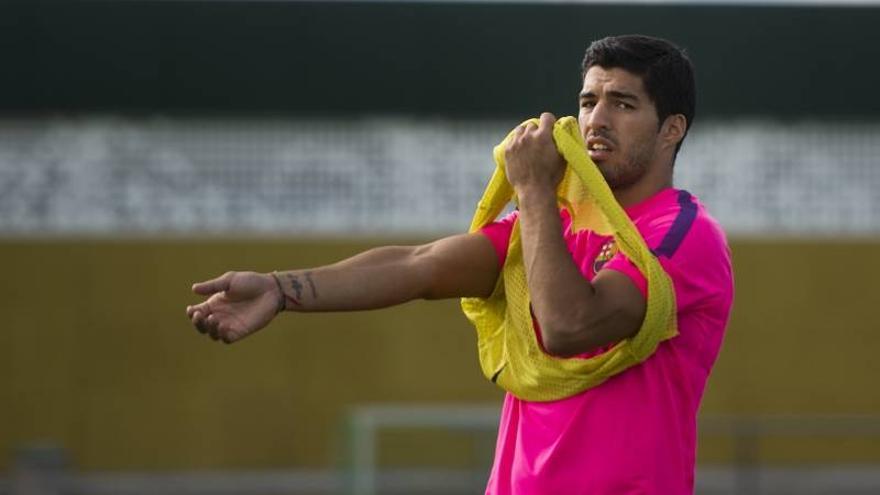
{"x":675,"y":222}
{"x":690,"y":244}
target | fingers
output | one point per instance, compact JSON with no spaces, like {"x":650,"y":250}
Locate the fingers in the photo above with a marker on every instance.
{"x":211,"y":324}
{"x":524,"y":127}
{"x":209,"y":317}
{"x":190,"y":310}
{"x":212,"y":286}
{"x":198,"y":319}
{"x":546,"y":122}
{"x":228,"y":336}
{"x":201,"y":317}
{"x":544,"y":126}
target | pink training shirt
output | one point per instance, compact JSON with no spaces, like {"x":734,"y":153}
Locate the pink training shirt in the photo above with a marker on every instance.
{"x":636,"y":433}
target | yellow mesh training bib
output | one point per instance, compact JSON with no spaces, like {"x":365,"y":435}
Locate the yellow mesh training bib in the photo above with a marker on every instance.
{"x":509,"y":352}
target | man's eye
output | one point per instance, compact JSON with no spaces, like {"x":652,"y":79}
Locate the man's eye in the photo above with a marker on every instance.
{"x":588,"y":104}
{"x":624,"y":106}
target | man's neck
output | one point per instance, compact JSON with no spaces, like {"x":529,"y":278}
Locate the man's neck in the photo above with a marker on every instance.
{"x":657,"y":177}
{"x":640,"y":191}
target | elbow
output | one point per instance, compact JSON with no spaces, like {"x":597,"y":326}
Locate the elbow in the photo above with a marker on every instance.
{"x":562,"y":347}
{"x":566,"y":339}
{"x":557,"y":347}
{"x":587,"y":332}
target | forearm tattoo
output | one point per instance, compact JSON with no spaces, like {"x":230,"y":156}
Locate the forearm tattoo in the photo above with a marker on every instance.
{"x":312,"y":284}
{"x":297,"y":287}
{"x":293,"y":281}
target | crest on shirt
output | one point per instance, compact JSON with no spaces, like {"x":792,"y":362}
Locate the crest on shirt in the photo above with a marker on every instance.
{"x":609,"y":249}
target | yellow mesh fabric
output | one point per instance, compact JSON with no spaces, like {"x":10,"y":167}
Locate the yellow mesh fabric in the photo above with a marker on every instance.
{"x":509,"y":351}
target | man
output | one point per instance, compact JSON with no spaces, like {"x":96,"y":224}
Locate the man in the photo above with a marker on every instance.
{"x":636,"y":432}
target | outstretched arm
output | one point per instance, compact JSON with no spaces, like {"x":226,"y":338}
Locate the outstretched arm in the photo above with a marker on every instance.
{"x":240,"y":303}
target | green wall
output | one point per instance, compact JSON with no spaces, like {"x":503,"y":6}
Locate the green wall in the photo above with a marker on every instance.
{"x":96,"y":354}
{"x":452,"y":59}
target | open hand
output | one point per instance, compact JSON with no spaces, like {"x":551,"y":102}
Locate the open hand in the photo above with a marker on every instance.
{"x":240,"y":303}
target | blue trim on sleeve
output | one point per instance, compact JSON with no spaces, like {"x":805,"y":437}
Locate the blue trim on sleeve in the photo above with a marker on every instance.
{"x":680,"y":226}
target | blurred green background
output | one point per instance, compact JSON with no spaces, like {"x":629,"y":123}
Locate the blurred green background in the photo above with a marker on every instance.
{"x":100,"y":357}
{"x":97,"y":356}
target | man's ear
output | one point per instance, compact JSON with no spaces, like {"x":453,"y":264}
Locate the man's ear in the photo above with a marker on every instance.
{"x":673,"y":129}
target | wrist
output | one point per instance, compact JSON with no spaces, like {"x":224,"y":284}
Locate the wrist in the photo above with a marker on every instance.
{"x":279,"y":292}
{"x":535,"y":194}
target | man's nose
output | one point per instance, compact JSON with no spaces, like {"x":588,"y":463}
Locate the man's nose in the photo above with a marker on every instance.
{"x":598,"y":117}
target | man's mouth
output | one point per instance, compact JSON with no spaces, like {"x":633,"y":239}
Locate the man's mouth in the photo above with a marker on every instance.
{"x":599,"y":148}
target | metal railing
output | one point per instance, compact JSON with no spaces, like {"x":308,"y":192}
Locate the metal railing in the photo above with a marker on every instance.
{"x":45,"y":470}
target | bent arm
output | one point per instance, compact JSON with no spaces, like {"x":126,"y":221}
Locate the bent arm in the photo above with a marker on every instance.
{"x":575,"y":315}
{"x":459,"y":266}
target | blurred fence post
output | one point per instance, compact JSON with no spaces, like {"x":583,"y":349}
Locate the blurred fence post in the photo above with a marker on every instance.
{"x":746,"y":461}
{"x":39,"y":470}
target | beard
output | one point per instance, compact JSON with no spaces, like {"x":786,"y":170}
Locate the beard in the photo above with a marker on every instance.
{"x":629,"y":169}
{"x":621,"y":176}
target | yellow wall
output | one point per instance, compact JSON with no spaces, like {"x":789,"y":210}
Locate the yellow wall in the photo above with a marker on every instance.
{"x":97,"y":355}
